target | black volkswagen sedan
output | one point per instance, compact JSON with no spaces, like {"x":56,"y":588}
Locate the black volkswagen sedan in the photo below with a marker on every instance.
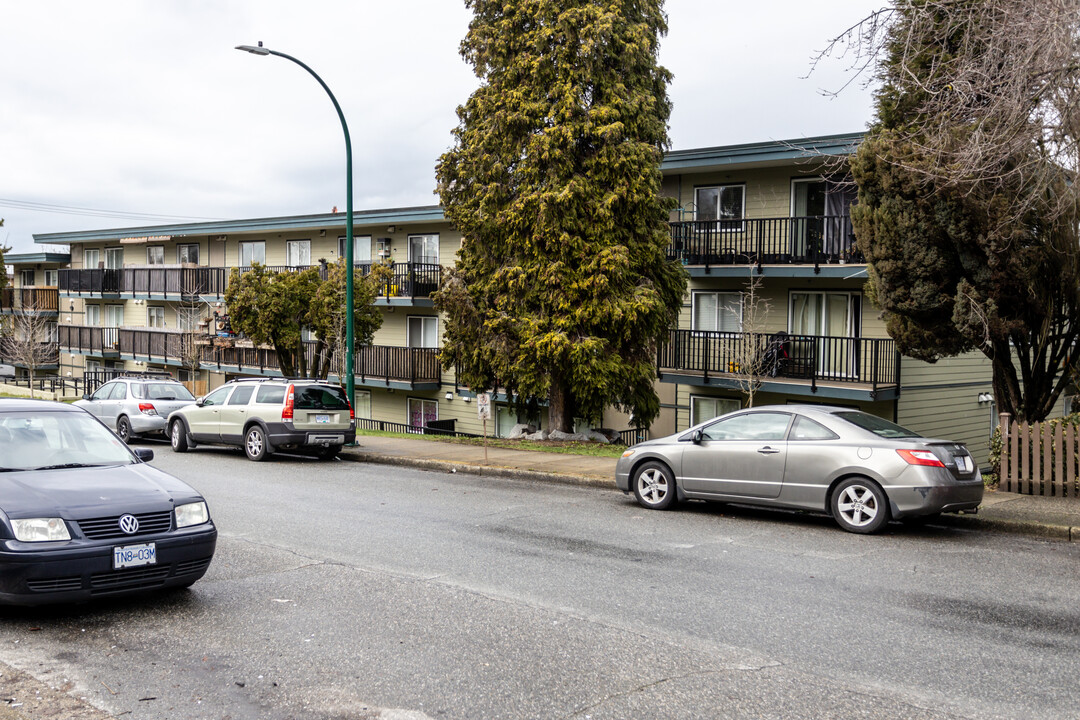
{"x":83,"y":516}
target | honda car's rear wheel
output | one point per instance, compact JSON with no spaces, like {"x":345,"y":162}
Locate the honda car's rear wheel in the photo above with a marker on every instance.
{"x":860,"y":506}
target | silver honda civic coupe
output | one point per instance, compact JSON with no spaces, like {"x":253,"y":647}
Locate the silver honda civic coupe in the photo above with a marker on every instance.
{"x":859,"y":468}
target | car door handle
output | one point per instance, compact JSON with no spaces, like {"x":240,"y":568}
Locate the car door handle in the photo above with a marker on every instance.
{"x":767,"y":450}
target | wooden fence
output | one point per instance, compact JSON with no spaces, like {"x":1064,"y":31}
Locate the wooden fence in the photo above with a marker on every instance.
{"x":1040,"y":458}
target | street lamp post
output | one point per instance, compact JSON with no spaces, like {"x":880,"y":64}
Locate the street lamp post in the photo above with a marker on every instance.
{"x":349,"y":338}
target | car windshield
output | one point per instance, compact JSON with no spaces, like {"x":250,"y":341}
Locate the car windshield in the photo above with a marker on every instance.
{"x":36,"y":440}
{"x":162,"y":391}
{"x":876,"y":425}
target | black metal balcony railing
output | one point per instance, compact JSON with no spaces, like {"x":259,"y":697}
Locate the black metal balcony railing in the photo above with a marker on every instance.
{"x":764,"y":241}
{"x":41,"y":300}
{"x":381,"y":362}
{"x":869,"y":361}
{"x":88,"y":339}
{"x":177,"y":282}
{"x":409,"y":279}
{"x":180,"y":282}
{"x":405,"y":364}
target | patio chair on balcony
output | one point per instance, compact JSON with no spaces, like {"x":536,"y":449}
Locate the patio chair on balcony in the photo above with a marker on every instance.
{"x":777,"y":354}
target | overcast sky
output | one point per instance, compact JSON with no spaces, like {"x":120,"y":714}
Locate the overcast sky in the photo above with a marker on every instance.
{"x":144,"y":109}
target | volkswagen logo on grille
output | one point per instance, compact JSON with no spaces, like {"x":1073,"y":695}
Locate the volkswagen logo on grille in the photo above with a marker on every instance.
{"x":129,"y":524}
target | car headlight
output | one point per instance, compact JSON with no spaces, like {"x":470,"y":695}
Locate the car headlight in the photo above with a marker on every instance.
{"x":191,"y":514}
{"x":40,"y":529}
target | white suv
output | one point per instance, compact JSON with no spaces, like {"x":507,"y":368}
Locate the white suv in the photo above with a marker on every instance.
{"x":262,"y":415}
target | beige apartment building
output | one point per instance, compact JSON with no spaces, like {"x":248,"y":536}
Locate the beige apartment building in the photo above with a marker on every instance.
{"x":763,"y":230}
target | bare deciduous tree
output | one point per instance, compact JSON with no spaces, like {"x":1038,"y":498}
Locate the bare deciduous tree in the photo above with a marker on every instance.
{"x":28,"y":337}
{"x":1000,"y":106}
{"x":750,"y":357}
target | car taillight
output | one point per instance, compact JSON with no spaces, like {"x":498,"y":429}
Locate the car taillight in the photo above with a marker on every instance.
{"x":287,"y":411}
{"x":920,"y":457}
{"x":147,"y":409}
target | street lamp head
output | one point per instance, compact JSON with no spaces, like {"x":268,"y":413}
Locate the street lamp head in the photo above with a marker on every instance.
{"x":260,"y":50}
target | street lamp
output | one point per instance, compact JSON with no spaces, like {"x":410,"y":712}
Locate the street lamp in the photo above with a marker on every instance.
{"x":349,"y":339}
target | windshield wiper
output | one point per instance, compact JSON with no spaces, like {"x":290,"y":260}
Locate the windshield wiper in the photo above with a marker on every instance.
{"x":4,"y":469}
{"x":63,"y":466}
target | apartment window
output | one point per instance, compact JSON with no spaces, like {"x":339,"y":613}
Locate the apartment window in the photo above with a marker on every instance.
{"x":722,"y":203}
{"x":114,"y":315}
{"x":298,"y":253}
{"x":706,"y":408}
{"x":155,"y":255}
{"x":833,"y":318}
{"x":187,"y":254}
{"x":114,"y":258}
{"x":422,"y":332}
{"x":51,"y":333}
{"x":91,"y":258}
{"x":362,"y":406}
{"x":422,"y":412}
{"x":424,"y":249}
{"x":26,"y":278}
{"x":252,"y":252}
{"x":93,"y":315}
{"x":188,"y":318}
{"x":832,"y":314}
{"x":716,"y":311}
{"x":361,"y":249}
{"x":155,"y":317}
{"x":51,"y":278}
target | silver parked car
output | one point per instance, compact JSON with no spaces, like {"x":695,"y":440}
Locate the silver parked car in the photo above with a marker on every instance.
{"x":857,"y":467}
{"x":136,"y":405}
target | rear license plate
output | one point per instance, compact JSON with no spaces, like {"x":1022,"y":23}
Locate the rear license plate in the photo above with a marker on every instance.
{"x":964,"y":464}
{"x":322,"y":418}
{"x":134,"y":555}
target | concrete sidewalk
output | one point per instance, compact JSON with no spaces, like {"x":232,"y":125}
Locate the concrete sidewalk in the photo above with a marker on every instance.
{"x":1050,"y":518}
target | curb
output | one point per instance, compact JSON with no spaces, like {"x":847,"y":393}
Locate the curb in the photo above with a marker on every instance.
{"x":1045,"y":531}
{"x":451,"y":466}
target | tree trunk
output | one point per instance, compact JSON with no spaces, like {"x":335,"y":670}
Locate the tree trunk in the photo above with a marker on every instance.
{"x":560,"y":407}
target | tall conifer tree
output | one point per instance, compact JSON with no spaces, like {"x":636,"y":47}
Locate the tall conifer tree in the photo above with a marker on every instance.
{"x":561,"y":288}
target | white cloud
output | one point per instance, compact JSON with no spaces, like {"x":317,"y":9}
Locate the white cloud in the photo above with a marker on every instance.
{"x":146,"y":107}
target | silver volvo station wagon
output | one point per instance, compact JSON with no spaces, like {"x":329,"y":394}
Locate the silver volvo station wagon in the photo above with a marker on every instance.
{"x":857,"y":467}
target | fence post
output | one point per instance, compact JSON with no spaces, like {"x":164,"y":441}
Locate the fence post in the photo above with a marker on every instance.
{"x":1004,"y":478}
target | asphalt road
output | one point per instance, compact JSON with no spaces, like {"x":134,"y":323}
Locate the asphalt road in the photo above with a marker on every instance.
{"x":344,"y":590}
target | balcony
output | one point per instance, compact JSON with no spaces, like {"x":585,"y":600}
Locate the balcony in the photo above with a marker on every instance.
{"x":835,"y":367}
{"x":411,"y":284}
{"x":89,"y":340}
{"x":153,"y":283}
{"x":810,"y":241}
{"x":373,"y":366}
{"x":43,"y":300}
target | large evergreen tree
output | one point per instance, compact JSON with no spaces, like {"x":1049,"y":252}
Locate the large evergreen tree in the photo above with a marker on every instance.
{"x":966,"y":214}
{"x":561,"y":288}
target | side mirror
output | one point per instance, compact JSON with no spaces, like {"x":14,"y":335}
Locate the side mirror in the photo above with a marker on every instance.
{"x":698,"y":435}
{"x":86,"y":396}
{"x":144,"y":454}
{"x":199,"y":402}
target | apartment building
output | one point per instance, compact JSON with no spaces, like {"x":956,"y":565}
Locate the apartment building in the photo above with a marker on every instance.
{"x":29,"y":305}
{"x":763,"y":230}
